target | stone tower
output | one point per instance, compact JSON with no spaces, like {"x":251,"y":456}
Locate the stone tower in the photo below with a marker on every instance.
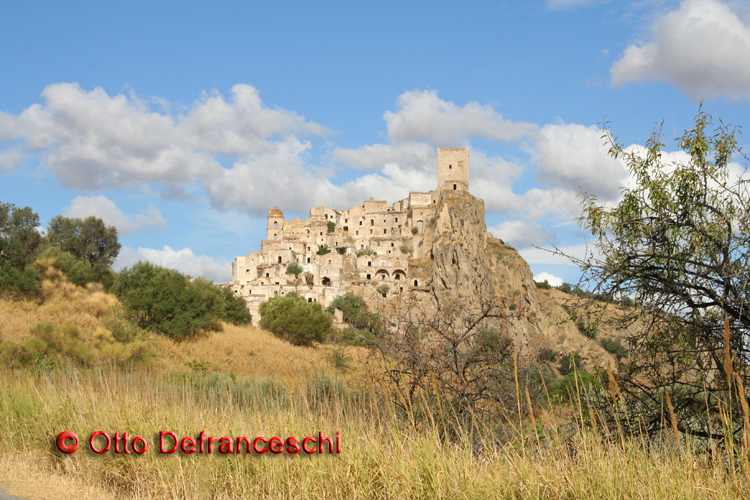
{"x":275,"y":223}
{"x":453,"y":169}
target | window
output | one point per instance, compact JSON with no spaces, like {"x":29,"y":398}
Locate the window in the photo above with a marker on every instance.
{"x":329,"y":261}
{"x":275,"y":225}
{"x":450,"y":167}
{"x":454,"y":187}
{"x":369,"y":264}
{"x":346,"y":220}
{"x":370,"y":231}
{"x":274,"y":236}
{"x":308,"y":260}
{"x":268,"y":275}
{"x":360,"y":223}
{"x":416,"y":283}
{"x":372,"y":222}
{"x":396,"y":219}
{"x":385,"y":231}
{"x":368,"y":276}
{"x":279,"y":259}
{"x":356,"y":233}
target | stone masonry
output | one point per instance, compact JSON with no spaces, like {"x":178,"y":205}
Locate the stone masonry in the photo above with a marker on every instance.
{"x":372,"y":244}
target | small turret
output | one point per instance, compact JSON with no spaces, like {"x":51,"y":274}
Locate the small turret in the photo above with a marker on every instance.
{"x":275,"y":223}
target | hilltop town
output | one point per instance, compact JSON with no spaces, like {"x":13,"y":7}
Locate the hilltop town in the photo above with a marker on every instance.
{"x":373,"y":244}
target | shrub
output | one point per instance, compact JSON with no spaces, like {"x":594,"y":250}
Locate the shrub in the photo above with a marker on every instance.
{"x":568,"y":362}
{"x":292,"y":318}
{"x":614,"y":347}
{"x":323,"y":250}
{"x":165,"y":301}
{"x":331,"y":226}
{"x":544,"y":285}
{"x":383,"y":289}
{"x":366,"y":251}
{"x":546,"y":355}
{"x":414,"y":230}
{"x":309,"y":278}
{"x":564,"y":390}
{"x":19,"y":282}
{"x":588,"y":328}
{"x":77,"y":269}
{"x":294,"y":268}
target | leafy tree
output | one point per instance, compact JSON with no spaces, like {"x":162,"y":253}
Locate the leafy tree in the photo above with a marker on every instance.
{"x":165,"y":300}
{"x":679,"y":241}
{"x":295,"y":320}
{"x":614,"y":347}
{"x":294,"y":268}
{"x":19,"y":245}
{"x":87,"y":238}
{"x":79,"y":270}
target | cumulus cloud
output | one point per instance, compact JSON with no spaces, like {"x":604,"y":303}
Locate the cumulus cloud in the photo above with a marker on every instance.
{"x":92,"y":141}
{"x":702,"y":48}
{"x":10,"y":159}
{"x":550,"y":278}
{"x":423,"y":116}
{"x":104,"y":208}
{"x":519,"y":233}
{"x":184,"y":261}
{"x":572,"y":156}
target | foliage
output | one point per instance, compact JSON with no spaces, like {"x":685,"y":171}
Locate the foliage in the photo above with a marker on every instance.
{"x":366,"y":251}
{"x":587,"y":327}
{"x":414,"y":230}
{"x":309,"y":279}
{"x":167,"y":302}
{"x":87,"y":239}
{"x":294,"y":268}
{"x":614,"y":347}
{"x":19,"y":245}
{"x":383,"y":290}
{"x":78,"y":270}
{"x":570,"y":363}
{"x":579,"y":386}
{"x":546,"y":355}
{"x":406,"y":248}
{"x":544,"y":285}
{"x":293,"y":319}
{"x":323,"y":250}
{"x":331,"y":226}
{"x":679,"y":241}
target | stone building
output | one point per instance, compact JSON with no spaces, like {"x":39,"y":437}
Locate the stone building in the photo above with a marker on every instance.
{"x":372,"y":244}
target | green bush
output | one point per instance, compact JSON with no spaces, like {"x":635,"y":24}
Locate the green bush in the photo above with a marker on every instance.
{"x":167,"y":302}
{"x":366,"y":251}
{"x":614,"y":347}
{"x":309,"y":278}
{"x":544,"y":285}
{"x":79,"y":270}
{"x":331,"y":226}
{"x":414,"y":230}
{"x":588,"y":328}
{"x":568,"y":362}
{"x":546,"y":355}
{"x":19,"y":282}
{"x":294,"y":268}
{"x":323,"y":250}
{"x":295,"y":320}
{"x":564,"y":390}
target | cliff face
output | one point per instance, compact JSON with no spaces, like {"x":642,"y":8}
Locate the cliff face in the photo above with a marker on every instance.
{"x":463,"y":265}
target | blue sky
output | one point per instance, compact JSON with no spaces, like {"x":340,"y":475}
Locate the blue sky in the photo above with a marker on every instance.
{"x":182,"y":122}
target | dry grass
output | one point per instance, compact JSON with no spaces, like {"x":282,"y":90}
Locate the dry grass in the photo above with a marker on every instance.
{"x":382,"y":457}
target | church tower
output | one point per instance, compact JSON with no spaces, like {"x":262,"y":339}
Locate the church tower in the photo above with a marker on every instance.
{"x":453,"y":169}
{"x":275,"y":223}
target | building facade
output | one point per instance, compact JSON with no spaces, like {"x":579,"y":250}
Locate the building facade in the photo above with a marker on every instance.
{"x":372,"y":244}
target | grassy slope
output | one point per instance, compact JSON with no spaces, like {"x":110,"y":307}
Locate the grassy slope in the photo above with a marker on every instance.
{"x":383,"y":456}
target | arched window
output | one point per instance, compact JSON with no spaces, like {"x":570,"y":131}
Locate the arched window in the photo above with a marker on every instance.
{"x":416,"y":283}
{"x":454,"y":187}
{"x":275,"y":225}
{"x":326,"y":281}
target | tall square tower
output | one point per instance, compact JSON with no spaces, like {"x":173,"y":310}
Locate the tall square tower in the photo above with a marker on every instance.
{"x":453,"y":169}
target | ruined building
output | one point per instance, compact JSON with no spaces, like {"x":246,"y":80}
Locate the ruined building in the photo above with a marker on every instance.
{"x":373,"y":244}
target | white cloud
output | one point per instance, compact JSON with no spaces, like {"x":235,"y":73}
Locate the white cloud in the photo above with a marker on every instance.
{"x":518,"y":233}
{"x":10,"y":159}
{"x":184,"y":261}
{"x":104,"y":208}
{"x":93,"y":141}
{"x":702,"y":48}
{"x":423,"y":116}
{"x":574,"y":157}
{"x":551,"y":279}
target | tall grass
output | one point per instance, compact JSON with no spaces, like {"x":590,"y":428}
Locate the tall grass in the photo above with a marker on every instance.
{"x":383,"y":455}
